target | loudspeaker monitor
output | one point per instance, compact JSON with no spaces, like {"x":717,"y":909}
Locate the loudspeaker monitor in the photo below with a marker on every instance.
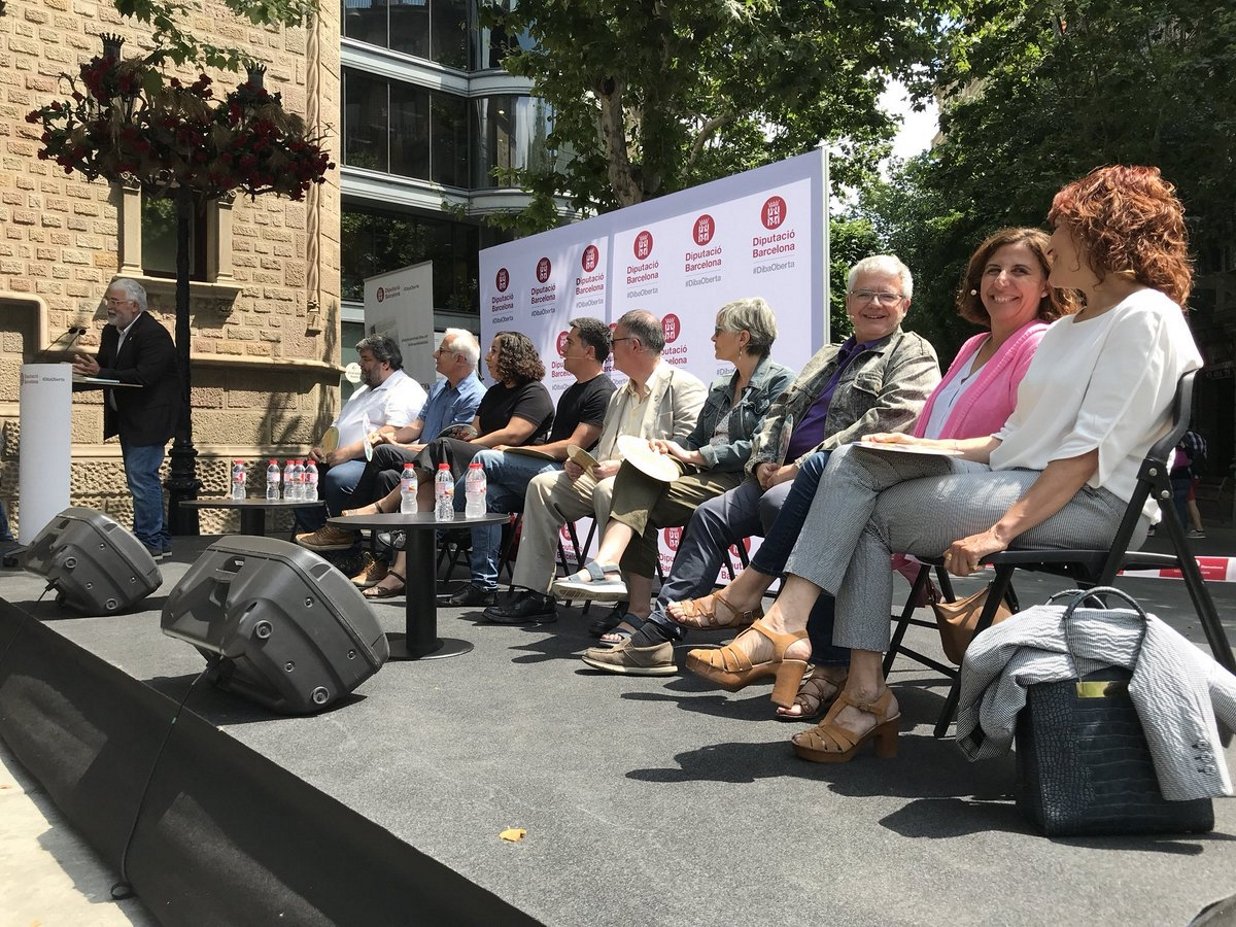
{"x":96,"y":566}
{"x":294,"y":633}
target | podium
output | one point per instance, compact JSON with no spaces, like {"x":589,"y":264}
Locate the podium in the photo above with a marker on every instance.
{"x":45,"y":448}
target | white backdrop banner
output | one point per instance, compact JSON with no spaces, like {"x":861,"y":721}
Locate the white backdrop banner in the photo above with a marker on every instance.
{"x":400,"y":304}
{"x":760,"y":233}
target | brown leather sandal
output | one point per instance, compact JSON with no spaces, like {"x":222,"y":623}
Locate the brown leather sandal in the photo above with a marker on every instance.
{"x":702,"y":613}
{"x":816,"y":693}
{"x":386,"y":592}
{"x":829,"y":742}
{"x":732,"y":669}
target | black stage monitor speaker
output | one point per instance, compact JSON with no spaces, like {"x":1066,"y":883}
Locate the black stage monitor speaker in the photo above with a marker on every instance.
{"x":95,"y":566}
{"x":293,"y":631}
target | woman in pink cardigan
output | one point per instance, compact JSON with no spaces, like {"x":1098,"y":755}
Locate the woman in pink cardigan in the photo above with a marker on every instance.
{"x":1005,"y":290}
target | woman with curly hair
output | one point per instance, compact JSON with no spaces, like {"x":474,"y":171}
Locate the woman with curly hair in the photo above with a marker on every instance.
{"x":1059,"y":473}
{"x":515,"y":411}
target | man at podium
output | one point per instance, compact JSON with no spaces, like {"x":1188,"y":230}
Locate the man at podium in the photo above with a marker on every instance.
{"x":137,"y":350}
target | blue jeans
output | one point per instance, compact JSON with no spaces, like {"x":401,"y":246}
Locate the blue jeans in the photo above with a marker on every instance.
{"x":506,"y":481}
{"x":141,"y":471}
{"x":335,"y":485}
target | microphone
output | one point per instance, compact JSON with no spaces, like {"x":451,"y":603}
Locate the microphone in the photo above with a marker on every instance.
{"x":62,"y":344}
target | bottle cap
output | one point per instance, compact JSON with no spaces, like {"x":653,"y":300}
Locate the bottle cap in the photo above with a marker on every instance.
{"x":444,"y":466}
{"x":408,"y":466}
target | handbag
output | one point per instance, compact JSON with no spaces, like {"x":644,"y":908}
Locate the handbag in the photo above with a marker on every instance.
{"x":1083,"y":765}
{"x":957,"y":620}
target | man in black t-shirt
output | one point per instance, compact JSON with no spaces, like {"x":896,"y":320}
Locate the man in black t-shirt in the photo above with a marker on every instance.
{"x":581,"y":411}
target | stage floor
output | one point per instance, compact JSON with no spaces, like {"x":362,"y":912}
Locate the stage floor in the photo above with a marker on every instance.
{"x":660,"y":801}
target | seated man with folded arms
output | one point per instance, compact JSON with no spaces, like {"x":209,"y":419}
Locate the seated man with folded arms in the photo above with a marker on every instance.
{"x":452,"y":401}
{"x":657,"y":402}
{"x":388,"y":399}
{"x":875,"y":381}
{"x":581,"y":413}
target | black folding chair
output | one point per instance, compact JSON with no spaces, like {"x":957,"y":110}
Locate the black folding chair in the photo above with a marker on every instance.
{"x":1089,"y":568}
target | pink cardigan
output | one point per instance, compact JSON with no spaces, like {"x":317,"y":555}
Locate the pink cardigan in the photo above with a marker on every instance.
{"x":984,"y":407}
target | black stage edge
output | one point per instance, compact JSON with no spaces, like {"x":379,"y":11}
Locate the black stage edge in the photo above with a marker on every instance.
{"x":226,"y":836}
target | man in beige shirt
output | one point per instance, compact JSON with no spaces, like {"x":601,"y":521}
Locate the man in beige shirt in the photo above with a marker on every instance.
{"x":658,"y":401}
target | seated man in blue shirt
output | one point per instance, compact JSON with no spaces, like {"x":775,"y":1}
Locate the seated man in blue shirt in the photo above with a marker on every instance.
{"x":452,"y":401}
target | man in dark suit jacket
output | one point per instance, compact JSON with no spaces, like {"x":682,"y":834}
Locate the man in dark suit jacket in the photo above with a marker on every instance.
{"x":134,"y":348}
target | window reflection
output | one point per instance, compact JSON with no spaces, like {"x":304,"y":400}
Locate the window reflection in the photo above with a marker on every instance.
{"x":512,"y":132}
{"x":409,"y":130}
{"x":365,"y":120}
{"x":376,"y":241}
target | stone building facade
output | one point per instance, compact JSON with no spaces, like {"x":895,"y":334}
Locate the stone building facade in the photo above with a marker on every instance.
{"x":266,"y":295}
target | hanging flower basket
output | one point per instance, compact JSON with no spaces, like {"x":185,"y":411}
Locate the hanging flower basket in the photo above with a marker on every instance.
{"x":127,"y":123}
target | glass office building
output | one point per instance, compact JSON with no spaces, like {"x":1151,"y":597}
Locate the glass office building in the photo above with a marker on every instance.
{"x":428,"y":117}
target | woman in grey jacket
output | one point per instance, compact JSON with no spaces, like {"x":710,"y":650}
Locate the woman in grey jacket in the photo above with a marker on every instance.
{"x":709,"y":462}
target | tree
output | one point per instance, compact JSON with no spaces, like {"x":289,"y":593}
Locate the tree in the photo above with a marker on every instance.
{"x":650,"y":97}
{"x":1037,"y":93}
{"x":173,"y":43}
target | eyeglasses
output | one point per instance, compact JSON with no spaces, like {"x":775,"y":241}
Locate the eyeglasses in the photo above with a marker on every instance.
{"x":115,"y":301}
{"x":616,"y":340}
{"x":883,"y":299}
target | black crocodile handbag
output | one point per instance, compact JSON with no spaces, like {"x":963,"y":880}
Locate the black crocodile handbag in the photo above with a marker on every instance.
{"x":1083,"y":764}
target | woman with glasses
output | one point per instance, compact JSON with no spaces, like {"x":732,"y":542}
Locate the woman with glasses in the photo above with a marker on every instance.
{"x":1059,"y":473}
{"x":709,"y":462}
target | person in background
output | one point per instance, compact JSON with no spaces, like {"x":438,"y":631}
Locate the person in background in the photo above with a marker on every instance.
{"x":1185,"y":475}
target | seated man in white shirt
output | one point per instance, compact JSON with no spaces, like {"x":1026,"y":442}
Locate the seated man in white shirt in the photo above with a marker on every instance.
{"x":387,"y":399}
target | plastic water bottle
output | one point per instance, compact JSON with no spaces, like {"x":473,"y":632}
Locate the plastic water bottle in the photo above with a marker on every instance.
{"x":289,"y":471}
{"x":311,"y":480}
{"x":443,"y":494}
{"x":298,"y":480}
{"x":238,"y":480}
{"x":272,"y":480}
{"x":475,"y":487}
{"x":407,"y":490}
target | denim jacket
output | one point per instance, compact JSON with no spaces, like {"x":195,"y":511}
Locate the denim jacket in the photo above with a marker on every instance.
{"x":768,"y":380}
{"x":882,"y":389}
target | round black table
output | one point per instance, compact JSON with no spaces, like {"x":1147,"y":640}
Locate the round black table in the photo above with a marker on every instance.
{"x":252,"y":511}
{"x":420,"y":640}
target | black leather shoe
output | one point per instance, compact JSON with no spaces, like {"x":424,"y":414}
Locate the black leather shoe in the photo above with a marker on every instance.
{"x":469,"y":595}
{"x":524,"y":608}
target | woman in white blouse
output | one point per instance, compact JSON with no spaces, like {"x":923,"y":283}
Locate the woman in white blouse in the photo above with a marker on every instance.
{"x":1059,"y":473}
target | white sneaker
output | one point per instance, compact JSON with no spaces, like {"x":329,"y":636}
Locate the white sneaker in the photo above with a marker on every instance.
{"x":1197,"y":534}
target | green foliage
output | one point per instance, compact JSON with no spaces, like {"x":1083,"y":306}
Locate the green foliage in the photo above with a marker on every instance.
{"x":173,"y":42}
{"x":1039,"y":92}
{"x":652,"y":97}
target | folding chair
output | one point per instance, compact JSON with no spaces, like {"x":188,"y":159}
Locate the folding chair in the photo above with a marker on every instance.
{"x":1089,"y":568}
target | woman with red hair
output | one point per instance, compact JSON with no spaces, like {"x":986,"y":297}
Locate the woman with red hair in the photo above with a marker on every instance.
{"x":1059,"y":473}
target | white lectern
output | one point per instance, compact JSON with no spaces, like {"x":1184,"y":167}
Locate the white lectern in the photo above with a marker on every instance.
{"x":43,"y":474}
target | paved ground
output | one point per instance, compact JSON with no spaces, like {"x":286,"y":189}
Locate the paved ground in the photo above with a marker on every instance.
{"x":49,"y":877}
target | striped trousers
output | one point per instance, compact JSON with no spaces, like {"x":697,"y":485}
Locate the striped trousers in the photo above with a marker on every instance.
{"x":871,"y":504}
